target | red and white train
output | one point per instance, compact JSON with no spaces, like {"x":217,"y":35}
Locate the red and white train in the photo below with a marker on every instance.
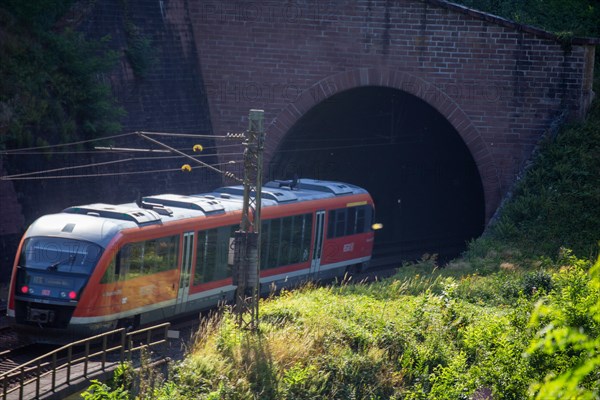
{"x":91,"y":268}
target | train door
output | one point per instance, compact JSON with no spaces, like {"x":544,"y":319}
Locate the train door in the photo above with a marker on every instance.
{"x":318,"y":242}
{"x":186,"y":267}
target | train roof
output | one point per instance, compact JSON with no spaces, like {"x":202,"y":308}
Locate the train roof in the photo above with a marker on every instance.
{"x":99,"y":222}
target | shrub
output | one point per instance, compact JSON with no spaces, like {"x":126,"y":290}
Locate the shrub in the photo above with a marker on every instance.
{"x":567,"y":343}
{"x":536,"y":281}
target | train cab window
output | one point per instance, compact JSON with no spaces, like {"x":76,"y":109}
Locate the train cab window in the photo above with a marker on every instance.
{"x":212,"y":255}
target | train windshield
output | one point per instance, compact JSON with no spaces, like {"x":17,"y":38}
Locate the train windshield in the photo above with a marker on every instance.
{"x":60,"y":255}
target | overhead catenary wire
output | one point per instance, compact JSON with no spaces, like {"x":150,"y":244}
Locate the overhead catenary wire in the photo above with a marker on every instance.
{"x":179,"y":153}
{"x":231,"y":162}
{"x":97,"y":164}
{"x":32,"y":150}
{"x":51,"y":146}
{"x":10,"y":177}
{"x":15,"y":177}
{"x":192,"y":135}
{"x":214,"y":147}
{"x":338,"y":147}
{"x":108,"y":150}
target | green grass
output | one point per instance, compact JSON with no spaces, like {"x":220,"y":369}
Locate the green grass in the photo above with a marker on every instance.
{"x":557,"y":204}
{"x":426,"y":333}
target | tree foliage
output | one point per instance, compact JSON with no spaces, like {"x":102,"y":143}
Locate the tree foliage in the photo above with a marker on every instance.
{"x":577,"y":17}
{"x":52,"y":81}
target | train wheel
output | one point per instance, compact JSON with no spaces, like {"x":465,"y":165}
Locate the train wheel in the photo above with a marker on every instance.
{"x":353,"y":269}
{"x":130,"y":324}
{"x":356,"y":268}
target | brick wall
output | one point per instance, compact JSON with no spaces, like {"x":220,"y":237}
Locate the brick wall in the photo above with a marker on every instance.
{"x":12,"y":223}
{"x":499,"y":84}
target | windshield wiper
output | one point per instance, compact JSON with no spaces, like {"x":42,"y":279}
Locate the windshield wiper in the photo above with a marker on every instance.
{"x":54,"y":266}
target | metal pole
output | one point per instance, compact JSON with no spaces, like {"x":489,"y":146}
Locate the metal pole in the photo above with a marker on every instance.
{"x":247,"y":239}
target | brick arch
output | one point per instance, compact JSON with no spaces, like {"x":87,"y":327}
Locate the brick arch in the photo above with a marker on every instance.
{"x":408,"y":83}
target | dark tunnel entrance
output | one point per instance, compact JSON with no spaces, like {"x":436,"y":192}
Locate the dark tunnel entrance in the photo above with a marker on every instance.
{"x":426,"y":186}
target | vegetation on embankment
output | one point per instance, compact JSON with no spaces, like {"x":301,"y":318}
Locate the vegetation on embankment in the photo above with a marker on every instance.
{"x":52,"y":85}
{"x":493,"y":331}
{"x":557,"y":203}
{"x":567,"y":18}
{"x":518,"y":316}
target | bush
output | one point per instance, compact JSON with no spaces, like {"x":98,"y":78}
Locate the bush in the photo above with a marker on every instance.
{"x":567,"y":343}
{"x":536,"y":281}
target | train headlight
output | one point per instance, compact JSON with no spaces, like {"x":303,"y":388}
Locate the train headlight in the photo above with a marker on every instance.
{"x":72,"y":295}
{"x":377,"y":226}
{"x":24,"y":289}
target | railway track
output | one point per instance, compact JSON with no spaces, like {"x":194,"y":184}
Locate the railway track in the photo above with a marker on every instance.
{"x":11,"y":340}
{"x":396,"y":252}
{"x":12,"y":359}
{"x":16,"y":349}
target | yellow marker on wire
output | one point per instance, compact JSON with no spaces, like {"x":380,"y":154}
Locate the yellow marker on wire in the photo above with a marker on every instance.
{"x":198,"y":147}
{"x":186,"y":168}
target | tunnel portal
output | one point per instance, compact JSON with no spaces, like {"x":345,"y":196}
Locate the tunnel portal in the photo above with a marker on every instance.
{"x":423,"y":179}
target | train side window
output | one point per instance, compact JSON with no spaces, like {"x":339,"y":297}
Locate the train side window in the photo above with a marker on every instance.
{"x":132,"y":259}
{"x":148,"y":257}
{"x":331,"y":224}
{"x":265,"y":243}
{"x":297,"y":239}
{"x":164,"y":253}
{"x":287,"y":241}
{"x":200,"y":257}
{"x":212,"y":255}
{"x":223,"y":269}
{"x":306,"y":236}
{"x":360,"y":219}
{"x":349,"y":221}
{"x":274,"y":243}
{"x":351,"y":215}
{"x":340,"y":222}
{"x":206,"y":256}
{"x":369,"y":214}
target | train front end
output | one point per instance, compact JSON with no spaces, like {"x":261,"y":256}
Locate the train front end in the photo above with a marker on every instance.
{"x":51,"y":274}
{"x":55,"y":260}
